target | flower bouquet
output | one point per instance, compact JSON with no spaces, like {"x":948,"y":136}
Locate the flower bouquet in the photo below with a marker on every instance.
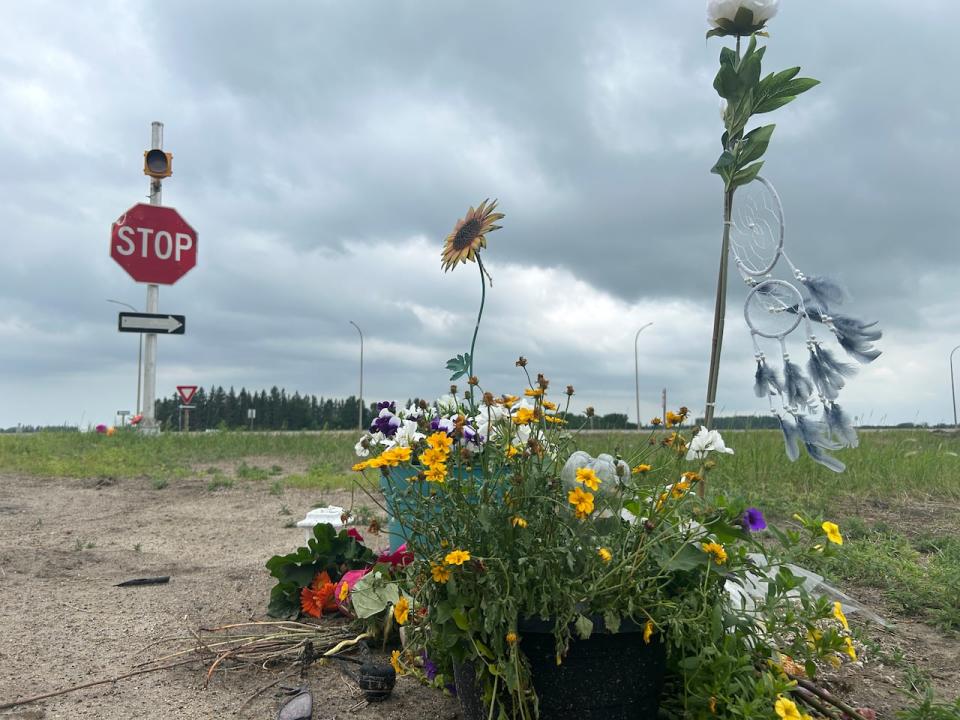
{"x":528,"y":546}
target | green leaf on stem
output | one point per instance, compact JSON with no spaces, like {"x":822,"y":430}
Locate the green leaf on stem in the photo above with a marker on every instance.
{"x":459,"y":365}
{"x":583,"y":626}
{"x":745,"y":176}
{"x":755,"y":144}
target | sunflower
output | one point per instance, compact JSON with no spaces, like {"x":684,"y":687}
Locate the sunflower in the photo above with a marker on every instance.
{"x":469,"y":235}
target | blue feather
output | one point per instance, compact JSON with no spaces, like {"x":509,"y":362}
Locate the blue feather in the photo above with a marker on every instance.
{"x":840,"y":426}
{"x":767,"y":383}
{"x":791,"y":439}
{"x":828,"y":461}
{"x":815,"y":433}
{"x":824,"y":292}
{"x":798,"y":388}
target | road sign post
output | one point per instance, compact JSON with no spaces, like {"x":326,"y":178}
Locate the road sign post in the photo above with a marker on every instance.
{"x":186,"y":393}
{"x":155,"y":245}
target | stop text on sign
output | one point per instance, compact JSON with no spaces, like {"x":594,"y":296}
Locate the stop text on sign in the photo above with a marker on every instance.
{"x":154,"y":244}
{"x":164,"y":244}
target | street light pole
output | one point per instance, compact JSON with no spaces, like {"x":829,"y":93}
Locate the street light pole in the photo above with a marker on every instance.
{"x":636,"y":370}
{"x":953,"y":390}
{"x":360,"y":411}
{"x":139,"y":354}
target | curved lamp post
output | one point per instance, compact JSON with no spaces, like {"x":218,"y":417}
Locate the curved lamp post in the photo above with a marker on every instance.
{"x":636,"y":370}
{"x":139,"y":354}
{"x":953,"y":390}
{"x":360,"y":411}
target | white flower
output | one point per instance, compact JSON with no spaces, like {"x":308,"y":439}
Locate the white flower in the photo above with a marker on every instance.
{"x":704,"y":442}
{"x":408,"y":434}
{"x":411,"y":413}
{"x":362,"y":448}
{"x":722,"y":14}
{"x":605,"y":466}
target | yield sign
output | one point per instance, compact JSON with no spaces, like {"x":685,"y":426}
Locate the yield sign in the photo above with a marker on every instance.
{"x":186,"y":392}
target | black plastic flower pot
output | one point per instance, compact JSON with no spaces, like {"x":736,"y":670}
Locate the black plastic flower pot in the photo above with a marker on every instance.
{"x":609,"y":676}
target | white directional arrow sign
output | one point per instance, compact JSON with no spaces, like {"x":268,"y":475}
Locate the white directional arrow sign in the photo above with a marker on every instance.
{"x":149,"y":323}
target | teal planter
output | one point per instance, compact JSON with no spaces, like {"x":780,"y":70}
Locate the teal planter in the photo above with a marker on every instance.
{"x":402,"y":494}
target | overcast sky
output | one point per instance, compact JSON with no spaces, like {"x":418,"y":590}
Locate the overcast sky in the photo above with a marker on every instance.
{"x":323,"y":150}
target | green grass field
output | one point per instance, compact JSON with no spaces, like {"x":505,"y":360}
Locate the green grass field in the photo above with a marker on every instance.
{"x":898,"y":501}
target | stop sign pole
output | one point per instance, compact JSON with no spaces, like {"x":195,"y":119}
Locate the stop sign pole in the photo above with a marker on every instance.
{"x":153,"y":306}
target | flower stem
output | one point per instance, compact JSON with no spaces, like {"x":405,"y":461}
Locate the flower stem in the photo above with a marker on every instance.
{"x":476,"y":329}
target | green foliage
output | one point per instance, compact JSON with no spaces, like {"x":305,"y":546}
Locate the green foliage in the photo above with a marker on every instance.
{"x":459,"y":366}
{"x":327,"y":550}
{"x":929,"y":709}
{"x":739,"y":83}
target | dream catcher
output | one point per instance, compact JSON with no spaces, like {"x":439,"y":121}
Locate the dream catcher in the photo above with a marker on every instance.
{"x":802,"y":395}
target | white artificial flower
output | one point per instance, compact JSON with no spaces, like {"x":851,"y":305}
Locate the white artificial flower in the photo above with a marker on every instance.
{"x":408,"y":434}
{"x":411,"y":413}
{"x":704,"y":442}
{"x":605,"y":466}
{"x":723,"y":13}
{"x":362,"y":448}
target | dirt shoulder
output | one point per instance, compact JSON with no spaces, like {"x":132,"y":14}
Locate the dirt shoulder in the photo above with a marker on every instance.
{"x":64,"y":544}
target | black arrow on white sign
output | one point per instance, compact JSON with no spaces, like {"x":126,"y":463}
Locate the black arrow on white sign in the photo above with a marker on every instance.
{"x":150,"y":323}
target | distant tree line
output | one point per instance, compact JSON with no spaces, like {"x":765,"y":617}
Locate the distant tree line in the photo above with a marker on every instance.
{"x":217,"y":408}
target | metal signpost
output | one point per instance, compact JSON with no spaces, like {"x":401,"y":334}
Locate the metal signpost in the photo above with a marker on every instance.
{"x":157,"y":247}
{"x":251,"y":416}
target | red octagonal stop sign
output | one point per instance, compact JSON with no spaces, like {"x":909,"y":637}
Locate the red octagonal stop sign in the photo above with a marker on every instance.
{"x":154,"y":244}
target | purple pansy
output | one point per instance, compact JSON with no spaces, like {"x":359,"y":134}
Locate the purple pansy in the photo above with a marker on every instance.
{"x":430,"y":668}
{"x":386,"y":422}
{"x":442,"y":425}
{"x":753,"y":520}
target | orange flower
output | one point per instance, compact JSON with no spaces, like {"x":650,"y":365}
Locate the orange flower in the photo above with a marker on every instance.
{"x":318,"y":596}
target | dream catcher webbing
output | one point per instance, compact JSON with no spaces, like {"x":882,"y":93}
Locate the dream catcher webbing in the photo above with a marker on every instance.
{"x":774,"y":310}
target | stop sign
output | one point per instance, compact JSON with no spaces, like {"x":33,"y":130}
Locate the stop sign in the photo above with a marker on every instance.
{"x":154,"y":244}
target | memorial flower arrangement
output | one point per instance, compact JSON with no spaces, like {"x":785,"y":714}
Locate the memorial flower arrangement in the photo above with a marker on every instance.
{"x":512,"y":523}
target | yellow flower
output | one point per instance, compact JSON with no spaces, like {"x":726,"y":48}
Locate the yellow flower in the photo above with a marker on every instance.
{"x":439,"y":572}
{"x":648,"y":630}
{"x":716,"y":551}
{"x":833,"y":533}
{"x":555,"y":420}
{"x":605,"y":554}
{"x":549,"y":405}
{"x":401,"y":610}
{"x":509,"y":400}
{"x":533,"y":392}
{"x":787,"y":709}
{"x":656,"y":421}
{"x":440,"y":441}
{"x":511,"y":638}
{"x":433,"y":456}
{"x":848,"y":649}
{"x":395,"y":661}
{"x":395,"y":455}
{"x":838,"y":614}
{"x":524,"y":416}
{"x":518,"y":521}
{"x":581,"y":501}
{"x":469,"y":235}
{"x":513,"y":451}
{"x":377,"y":462}
{"x":457,"y":557}
{"x":589,"y":478}
{"x":641,"y":468}
{"x":673,"y":419}
{"x":680,"y":489}
{"x":436,"y":473}
{"x":692,"y":476}
{"x":361,"y":466}
{"x":344,"y":591}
